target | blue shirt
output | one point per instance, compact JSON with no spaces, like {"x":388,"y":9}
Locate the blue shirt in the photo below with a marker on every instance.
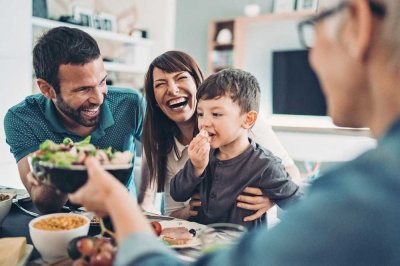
{"x":350,"y":216}
{"x":35,"y":119}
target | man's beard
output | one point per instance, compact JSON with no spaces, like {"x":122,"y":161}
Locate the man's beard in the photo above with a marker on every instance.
{"x":75,"y":114}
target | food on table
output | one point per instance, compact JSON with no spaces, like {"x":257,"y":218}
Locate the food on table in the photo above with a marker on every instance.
{"x":176,"y":235}
{"x":58,"y":223}
{"x":157,"y":227}
{"x":95,"y":220}
{"x":193,"y":232}
{"x":4,"y":197}
{"x":92,"y":251}
{"x":12,"y":249}
{"x":68,"y":153}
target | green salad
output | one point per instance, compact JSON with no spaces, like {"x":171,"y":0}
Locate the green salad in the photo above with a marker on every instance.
{"x":69,"y":153}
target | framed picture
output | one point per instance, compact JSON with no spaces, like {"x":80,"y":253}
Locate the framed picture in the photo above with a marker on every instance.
{"x":284,"y":6}
{"x":310,"y":5}
{"x":84,"y":16}
{"x":107,"y":21}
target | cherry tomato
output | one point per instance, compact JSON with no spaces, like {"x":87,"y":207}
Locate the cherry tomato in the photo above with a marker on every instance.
{"x":157,"y":227}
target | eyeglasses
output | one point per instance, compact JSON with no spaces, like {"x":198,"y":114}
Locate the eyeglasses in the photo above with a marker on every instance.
{"x":306,"y":28}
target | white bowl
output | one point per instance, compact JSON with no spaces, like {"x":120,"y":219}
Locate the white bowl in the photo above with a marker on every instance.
{"x":52,"y":245}
{"x":5,"y":206}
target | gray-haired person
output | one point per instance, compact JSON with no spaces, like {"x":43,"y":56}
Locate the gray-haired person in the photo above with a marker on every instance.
{"x":351,"y":215}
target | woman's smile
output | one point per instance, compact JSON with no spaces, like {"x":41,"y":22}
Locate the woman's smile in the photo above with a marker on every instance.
{"x":177,"y":103}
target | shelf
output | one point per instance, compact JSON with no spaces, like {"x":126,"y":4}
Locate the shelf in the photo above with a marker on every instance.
{"x":119,"y":67}
{"x":313,"y":124}
{"x":276,"y":16}
{"x":218,"y":68}
{"x":225,"y":46}
{"x":95,"y":33}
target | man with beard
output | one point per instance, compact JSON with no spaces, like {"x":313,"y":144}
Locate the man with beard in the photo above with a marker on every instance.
{"x":74,"y":102}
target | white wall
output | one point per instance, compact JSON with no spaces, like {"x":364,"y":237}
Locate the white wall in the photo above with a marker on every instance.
{"x":158,"y":17}
{"x":319,"y":147}
{"x":15,"y":74}
{"x":261,"y":39}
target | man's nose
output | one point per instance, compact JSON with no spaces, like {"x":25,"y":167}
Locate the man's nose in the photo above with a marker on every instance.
{"x":97,"y":95}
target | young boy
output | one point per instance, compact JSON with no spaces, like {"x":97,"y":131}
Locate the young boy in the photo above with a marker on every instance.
{"x":223,"y":159}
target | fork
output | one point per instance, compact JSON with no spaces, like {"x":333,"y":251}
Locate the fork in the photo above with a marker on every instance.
{"x":33,"y":214}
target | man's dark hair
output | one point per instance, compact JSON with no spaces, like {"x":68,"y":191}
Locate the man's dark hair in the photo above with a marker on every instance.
{"x":240,"y":85}
{"x":60,"y":46}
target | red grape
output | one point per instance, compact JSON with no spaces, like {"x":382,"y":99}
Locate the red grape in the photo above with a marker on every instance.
{"x":95,"y":252}
{"x":86,"y":246}
{"x":80,"y":262}
{"x":101,"y":259}
{"x":107,"y":247}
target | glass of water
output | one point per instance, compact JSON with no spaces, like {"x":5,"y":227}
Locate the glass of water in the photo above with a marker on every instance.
{"x":220,"y":235}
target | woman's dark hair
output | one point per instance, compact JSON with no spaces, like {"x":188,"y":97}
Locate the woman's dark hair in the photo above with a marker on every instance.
{"x":62,"y":45}
{"x":159,"y":130}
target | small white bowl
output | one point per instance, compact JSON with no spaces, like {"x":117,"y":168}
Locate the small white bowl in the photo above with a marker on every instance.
{"x":5,"y":206}
{"x":52,"y":245}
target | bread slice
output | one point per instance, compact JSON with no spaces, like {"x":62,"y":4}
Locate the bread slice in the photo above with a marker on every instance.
{"x":12,"y":250}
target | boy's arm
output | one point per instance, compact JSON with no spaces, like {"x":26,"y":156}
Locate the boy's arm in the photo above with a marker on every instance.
{"x":185,"y":182}
{"x":278,"y":186}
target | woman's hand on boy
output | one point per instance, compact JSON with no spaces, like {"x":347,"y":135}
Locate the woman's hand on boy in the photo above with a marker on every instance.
{"x":194,"y":202}
{"x":258,"y":202}
{"x":199,"y":149}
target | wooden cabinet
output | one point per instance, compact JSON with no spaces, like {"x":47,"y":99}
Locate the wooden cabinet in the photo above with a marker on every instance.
{"x":221,"y":45}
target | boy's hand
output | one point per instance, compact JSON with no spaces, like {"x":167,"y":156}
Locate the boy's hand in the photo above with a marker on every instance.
{"x":199,"y":149}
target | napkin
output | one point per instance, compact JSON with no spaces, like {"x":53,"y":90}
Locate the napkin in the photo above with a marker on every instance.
{"x":12,"y":249}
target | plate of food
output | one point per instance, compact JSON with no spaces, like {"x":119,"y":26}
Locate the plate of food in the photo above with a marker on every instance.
{"x":94,"y":219}
{"x":179,"y":233}
{"x":62,"y":165}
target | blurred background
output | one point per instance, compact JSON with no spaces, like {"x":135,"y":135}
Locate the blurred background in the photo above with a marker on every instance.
{"x":259,"y":36}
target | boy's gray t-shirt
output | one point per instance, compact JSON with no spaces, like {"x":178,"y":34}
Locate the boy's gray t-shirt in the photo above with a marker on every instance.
{"x":223,"y":181}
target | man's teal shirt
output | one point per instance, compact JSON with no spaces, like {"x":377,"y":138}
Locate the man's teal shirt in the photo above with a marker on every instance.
{"x":35,"y":119}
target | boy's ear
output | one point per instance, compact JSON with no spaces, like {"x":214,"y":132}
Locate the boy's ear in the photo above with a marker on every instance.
{"x":250,"y":119}
{"x":46,"y":89}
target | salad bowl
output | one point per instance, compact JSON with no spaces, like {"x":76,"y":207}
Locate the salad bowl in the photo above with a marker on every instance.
{"x":68,"y":180}
{"x":61,"y":165}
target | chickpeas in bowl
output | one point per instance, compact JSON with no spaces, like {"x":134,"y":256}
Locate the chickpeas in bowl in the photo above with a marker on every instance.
{"x":58,"y":229}
{"x":5,"y":205}
{"x":60,"y":222}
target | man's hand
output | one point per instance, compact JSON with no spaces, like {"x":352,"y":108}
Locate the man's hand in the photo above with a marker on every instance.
{"x":258,"y":203}
{"x":199,"y":149}
{"x":45,"y":198}
{"x":32,"y":180}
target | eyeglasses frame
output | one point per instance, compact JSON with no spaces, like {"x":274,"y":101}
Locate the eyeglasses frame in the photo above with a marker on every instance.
{"x":376,"y":9}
